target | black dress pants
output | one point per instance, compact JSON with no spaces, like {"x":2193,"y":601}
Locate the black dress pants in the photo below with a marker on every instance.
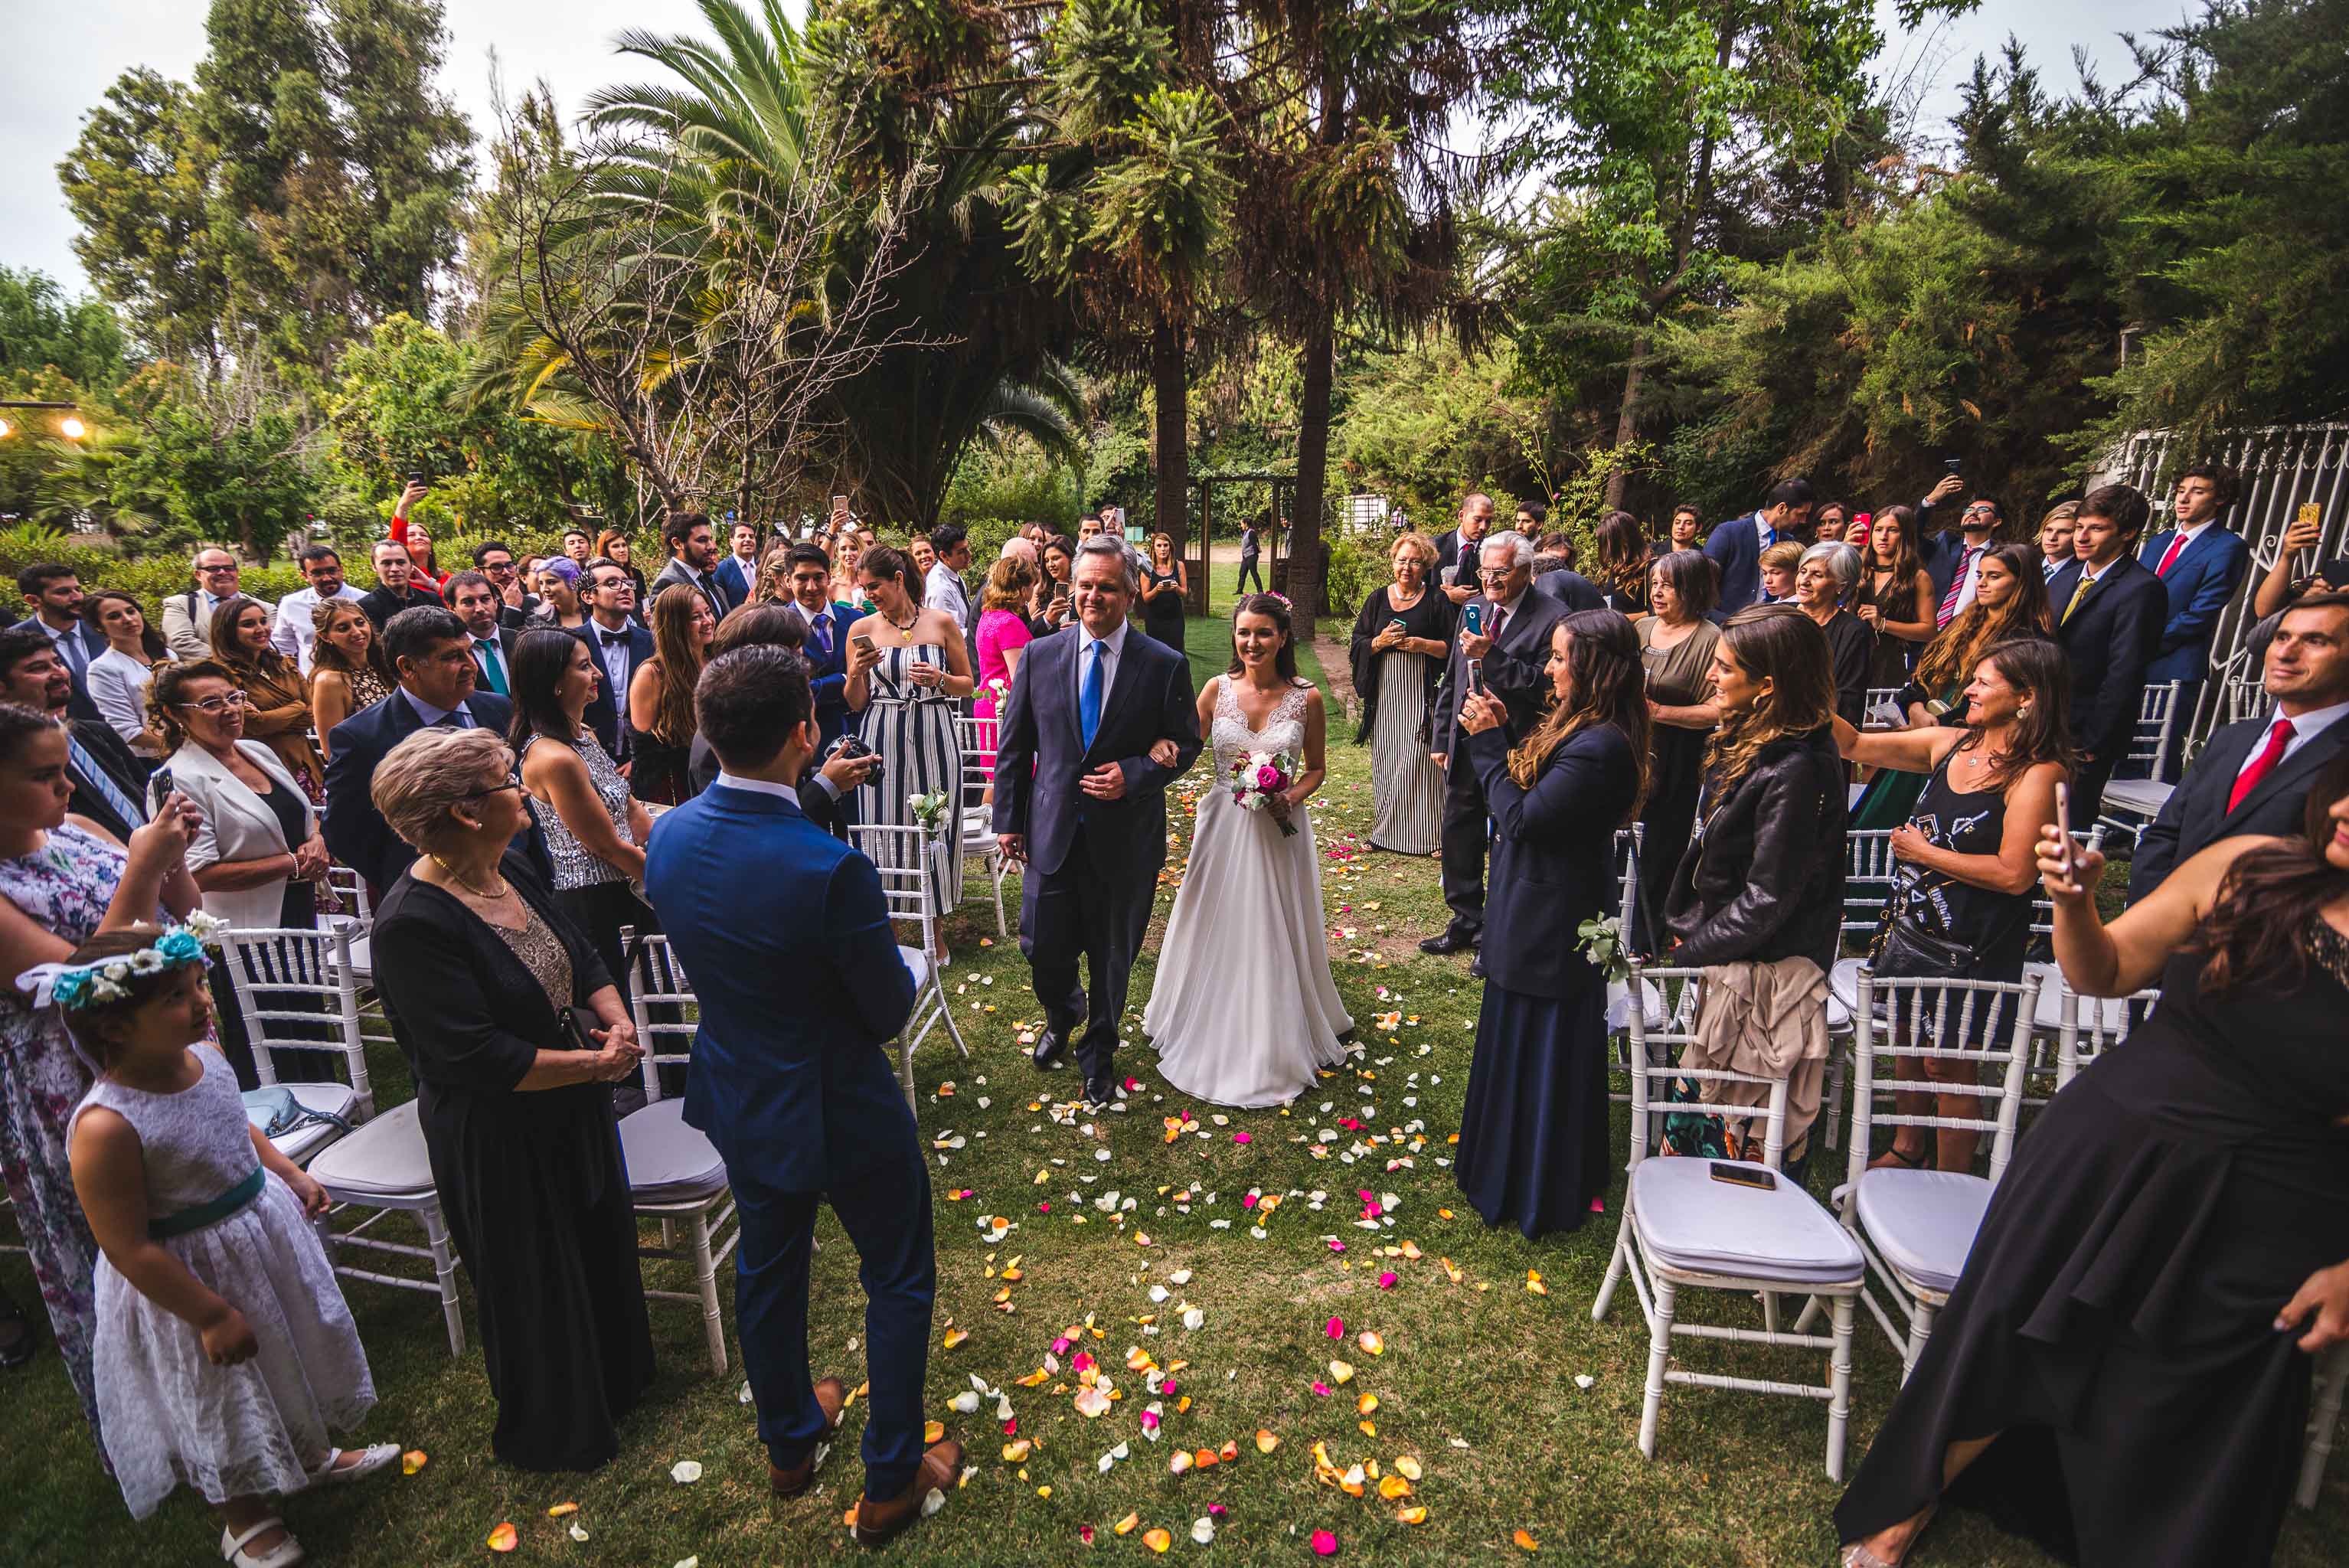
{"x":1463,"y":841}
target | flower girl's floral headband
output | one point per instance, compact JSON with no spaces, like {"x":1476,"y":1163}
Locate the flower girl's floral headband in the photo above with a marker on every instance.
{"x":73,"y":986}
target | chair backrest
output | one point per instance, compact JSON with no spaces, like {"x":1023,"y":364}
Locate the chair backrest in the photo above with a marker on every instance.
{"x":976,"y":738}
{"x":2156,"y":716}
{"x":1879,"y":697}
{"x":657,"y":982}
{"x":351,"y":888}
{"x":1653,"y":1065}
{"x":902,"y":855}
{"x":2092,"y":1024}
{"x":2246,"y":697}
{"x":1866,"y":878}
{"x":1977,"y":1021}
{"x":1627,"y":861}
{"x":295,"y":993}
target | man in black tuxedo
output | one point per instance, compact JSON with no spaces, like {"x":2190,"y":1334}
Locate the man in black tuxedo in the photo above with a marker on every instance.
{"x":1511,"y":645}
{"x":2253,"y":776}
{"x":1080,"y":798}
{"x":108,"y":784}
{"x":475,"y":600}
{"x":432,"y":654}
{"x":620,"y":642}
{"x":2109,"y":610}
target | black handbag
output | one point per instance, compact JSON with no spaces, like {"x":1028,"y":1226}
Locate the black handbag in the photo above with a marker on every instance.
{"x":1906,"y":951}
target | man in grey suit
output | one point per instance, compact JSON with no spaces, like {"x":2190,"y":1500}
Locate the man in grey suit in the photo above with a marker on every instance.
{"x":692,"y":560}
{"x":188,"y":617}
{"x":1510,"y":646}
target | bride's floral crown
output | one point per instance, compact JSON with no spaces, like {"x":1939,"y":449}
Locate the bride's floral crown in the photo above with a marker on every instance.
{"x":73,"y":986}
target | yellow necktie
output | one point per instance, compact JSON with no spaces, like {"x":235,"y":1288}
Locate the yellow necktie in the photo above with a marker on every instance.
{"x":2078,"y":593}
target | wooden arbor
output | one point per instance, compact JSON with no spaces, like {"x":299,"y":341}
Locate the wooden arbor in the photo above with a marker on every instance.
{"x":1197,"y":551}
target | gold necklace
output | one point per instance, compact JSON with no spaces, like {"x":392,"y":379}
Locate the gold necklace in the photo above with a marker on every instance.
{"x":450,"y":871}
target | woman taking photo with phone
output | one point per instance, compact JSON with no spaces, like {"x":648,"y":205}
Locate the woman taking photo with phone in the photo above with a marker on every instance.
{"x":1400,"y":640}
{"x":2123,"y":1370}
{"x":1533,"y":1149}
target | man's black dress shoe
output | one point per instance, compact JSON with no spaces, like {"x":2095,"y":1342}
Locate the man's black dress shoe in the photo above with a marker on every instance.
{"x":1102,"y":1090}
{"x":1453,"y":939}
{"x":1048,"y":1048}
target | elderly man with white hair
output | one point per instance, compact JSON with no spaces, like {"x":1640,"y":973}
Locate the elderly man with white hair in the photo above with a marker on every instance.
{"x":1503,"y":646}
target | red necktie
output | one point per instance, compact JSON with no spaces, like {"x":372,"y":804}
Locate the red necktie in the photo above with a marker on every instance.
{"x":1500,"y":619}
{"x":2279,"y":739}
{"x":2170,"y":556}
{"x":1948,"y":610}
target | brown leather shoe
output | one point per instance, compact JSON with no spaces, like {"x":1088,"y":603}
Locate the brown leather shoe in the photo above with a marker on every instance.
{"x":831,"y":1398}
{"x":878,"y":1523}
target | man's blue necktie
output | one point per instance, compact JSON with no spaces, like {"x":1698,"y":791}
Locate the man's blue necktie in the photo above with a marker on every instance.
{"x":98,"y":779}
{"x":493,"y":674}
{"x":823,"y":632}
{"x":1089,"y":699}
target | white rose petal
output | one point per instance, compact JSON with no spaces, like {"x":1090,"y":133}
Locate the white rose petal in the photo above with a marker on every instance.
{"x":1202,"y":1530}
{"x":685,"y":1472}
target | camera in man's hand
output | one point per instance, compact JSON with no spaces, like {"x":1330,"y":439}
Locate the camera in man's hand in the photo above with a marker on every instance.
{"x":849,"y":749}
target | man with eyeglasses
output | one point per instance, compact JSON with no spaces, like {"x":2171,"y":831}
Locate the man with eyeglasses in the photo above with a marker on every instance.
{"x":495,"y":560}
{"x":620,"y":642}
{"x":432,"y":654}
{"x":108,"y":784}
{"x":1954,"y":562}
{"x":188,"y":617}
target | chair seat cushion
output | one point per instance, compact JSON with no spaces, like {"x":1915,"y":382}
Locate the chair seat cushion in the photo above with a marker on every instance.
{"x":384,"y":1159}
{"x":362,"y":965}
{"x":1692,"y":1222}
{"x":1923,"y":1222}
{"x":668,"y":1162}
{"x":336,"y":1099}
{"x":918,"y":965}
{"x":2139,"y":797}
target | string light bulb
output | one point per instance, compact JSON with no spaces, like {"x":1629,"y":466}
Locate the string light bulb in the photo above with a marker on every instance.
{"x":72,"y":428}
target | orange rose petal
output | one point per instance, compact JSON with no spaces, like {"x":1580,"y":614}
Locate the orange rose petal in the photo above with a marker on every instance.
{"x":1411,"y":1515}
{"x":562,"y":1509}
{"x":1016,"y":1453}
{"x":1230,"y":1450}
{"x":1125,"y":1526}
{"x":505,"y":1538}
{"x":1535,"y":1286}
{"x":412,"y":1461}
{"x":931,"y":1431}
{"x":1266,"y":1441}
{"x":955,"y":1337}
{"x":1371,"y":1345}
{"x":1156,"y":1539}
{"x":1527,"y":1542}
{"x":1395,"y":1488}
{"x":1408,"y":1467}
{"x":1205,"y":1458}
{"x":1366,"y":1404}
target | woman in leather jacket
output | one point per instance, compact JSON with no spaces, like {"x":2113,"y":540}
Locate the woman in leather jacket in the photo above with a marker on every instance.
{"x":1762,"y":880}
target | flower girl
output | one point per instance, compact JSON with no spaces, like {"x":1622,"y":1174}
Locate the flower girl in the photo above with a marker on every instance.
{"x":224,"y":1352}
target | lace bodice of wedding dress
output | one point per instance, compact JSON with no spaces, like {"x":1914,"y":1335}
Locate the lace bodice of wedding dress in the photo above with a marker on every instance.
{"x":1284,"y":731}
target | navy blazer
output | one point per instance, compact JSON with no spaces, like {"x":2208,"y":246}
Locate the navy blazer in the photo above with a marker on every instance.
{"x":1571,"y":589}
{"x":1553,"y":857}
{"x":800,"y":983}
{"x":2194,"y":816}
{"x":355,"y":830}
{"x":1039,"y":753}
{"x":604,"y":708}
{"x":2201,"y":580}
{"x":828,"y":673}
{"x":93,"y":643}
{"x":1735,"y":547}
{"x":2110,"y":641}
{"x":735,"y":578}
{"x":1513,"y":668}
{"x":1939,"y":554}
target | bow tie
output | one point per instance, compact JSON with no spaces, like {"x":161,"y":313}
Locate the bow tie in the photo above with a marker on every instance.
{"x":613,"y":639}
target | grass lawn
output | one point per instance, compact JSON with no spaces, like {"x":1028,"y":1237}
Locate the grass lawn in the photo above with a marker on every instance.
{"x":1478,"y":1380}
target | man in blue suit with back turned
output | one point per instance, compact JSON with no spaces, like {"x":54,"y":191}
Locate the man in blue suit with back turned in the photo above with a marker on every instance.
{"x":801,"y":983}
{"x":1736,"y":546}
{"x":1100,"y":720}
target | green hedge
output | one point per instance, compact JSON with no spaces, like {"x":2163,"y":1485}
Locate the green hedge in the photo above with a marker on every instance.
{"x":150,"y":579}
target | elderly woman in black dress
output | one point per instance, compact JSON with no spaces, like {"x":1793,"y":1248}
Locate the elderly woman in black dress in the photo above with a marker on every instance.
{"x":481,"y":974}
{"x":1533,"y":1135}
{"x":2123,"y":1371}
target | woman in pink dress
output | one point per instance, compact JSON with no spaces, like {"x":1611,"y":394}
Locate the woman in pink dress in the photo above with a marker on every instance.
{"x":1003,"y":636}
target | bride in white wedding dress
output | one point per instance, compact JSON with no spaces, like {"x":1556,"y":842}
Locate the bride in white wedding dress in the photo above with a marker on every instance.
{"x":1243,"y":1010}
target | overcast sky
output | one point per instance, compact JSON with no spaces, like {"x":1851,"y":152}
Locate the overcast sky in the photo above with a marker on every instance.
{"x":61,"y":58}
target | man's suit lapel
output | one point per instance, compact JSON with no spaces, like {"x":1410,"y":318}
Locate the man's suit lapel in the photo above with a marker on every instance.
{"x":2293,"y":769}
{"x":1120,"y":692}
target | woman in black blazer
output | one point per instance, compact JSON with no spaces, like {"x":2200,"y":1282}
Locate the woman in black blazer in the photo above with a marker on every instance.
{"x":479,"y":970}
{"x":1533,"y":1136}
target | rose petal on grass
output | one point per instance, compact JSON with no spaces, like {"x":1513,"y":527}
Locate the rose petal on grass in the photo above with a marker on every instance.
{"x":1125,"y":1526}
{"x":1408,"y":1467}
{"x":1341,"y":1372}
{"x":1533,"y":1285}
{"x":1202,"y":1530}
{"x":414,"y":1459}
{"x":563,"y":1510}
{"x":931,"y":1431}
{"x":1335,"y":1328}
{"x":505,"y":1538}
{"x":1395,"y":1488}
{"x":1016,"y":1453}
{"x":1325,"y":1545}
{"x":1266,"y":1440}
{"x":1371,"y":1343}
{"x":1157,"y":1540}
{"x":955,"y":1337}
{"x":1414,"y":1514}
{"x":577,"y":1534}
{"x":685,"y":1472}
{"x":1366,"y":1404}
{"x":1524,"y":1542}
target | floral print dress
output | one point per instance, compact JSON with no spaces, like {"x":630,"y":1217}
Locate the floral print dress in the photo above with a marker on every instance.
{"x":64,"y":886}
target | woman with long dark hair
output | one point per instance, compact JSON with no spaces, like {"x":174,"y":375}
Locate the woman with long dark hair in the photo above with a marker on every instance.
{"x":1623,"y":563}
{"x":1896,"y":595}
{"x":1056,"y":559}
{"x":596,"y":829}
{"x":661,"y":695}
{"x":280,"y":696}
{"x":120,"y":676}
{"x":1243,"y":1011}
{"x":1676,"y":646}
{"x":1533,"y":1135}
{"x":2123,"y":1370}
{"x":1960,"y":902}
{"x":1165,"y":583}
{"x":348,"y":668}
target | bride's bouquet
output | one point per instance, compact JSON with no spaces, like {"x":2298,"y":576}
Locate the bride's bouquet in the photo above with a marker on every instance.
{"x":1260,"y":780}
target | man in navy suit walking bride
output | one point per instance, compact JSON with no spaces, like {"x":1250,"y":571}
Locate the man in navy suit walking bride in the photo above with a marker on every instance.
{"x":1100,"y":720}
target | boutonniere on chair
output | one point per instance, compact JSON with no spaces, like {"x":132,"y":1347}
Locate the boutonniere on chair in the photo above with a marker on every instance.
{"x":929,"y":811}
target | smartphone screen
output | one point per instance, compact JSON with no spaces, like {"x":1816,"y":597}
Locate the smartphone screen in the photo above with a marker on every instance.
{"x":1476,"y":675}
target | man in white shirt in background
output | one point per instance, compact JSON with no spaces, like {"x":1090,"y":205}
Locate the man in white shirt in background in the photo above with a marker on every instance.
{"x":188,"y":617}
{"x":293,"y":635}
{"x":943,"y":588}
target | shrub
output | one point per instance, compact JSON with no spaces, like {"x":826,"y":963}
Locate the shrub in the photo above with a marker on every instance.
{"x":149,"y":578}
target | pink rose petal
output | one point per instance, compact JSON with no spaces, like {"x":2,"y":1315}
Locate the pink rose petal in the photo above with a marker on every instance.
{"x":1241,"y":1137}
{"x":1387,"y":1280}
{"x":1335,"y":1328}
{"x":1324,"y":1544}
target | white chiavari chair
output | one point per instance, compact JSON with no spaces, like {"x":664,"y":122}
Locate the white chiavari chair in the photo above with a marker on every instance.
{"x":976,"y":816}
{"x":2140,"y":800}
{"x":901,"y":854}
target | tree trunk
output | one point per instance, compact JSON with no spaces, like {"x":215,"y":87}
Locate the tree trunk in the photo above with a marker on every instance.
{"x":1626,"y":423}
{"x":1312,"y":456}
{"x":1170,"y":384}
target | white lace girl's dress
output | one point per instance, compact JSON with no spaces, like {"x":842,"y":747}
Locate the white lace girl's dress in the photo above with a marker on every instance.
{"x":1243,"y":1010}
{"x":167,"y":1413}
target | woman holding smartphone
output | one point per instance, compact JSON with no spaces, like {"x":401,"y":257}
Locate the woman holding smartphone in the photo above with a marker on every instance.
{"x":1400,"y":640}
